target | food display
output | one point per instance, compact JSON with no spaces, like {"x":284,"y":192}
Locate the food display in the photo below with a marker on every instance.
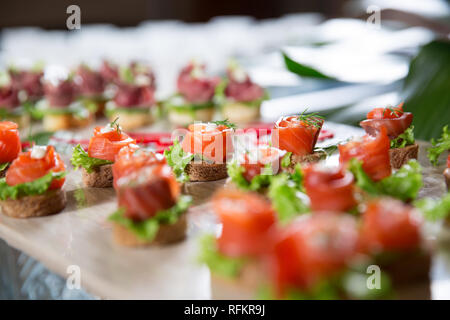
{"x":274,"y":215}
{"x":11,"y":107}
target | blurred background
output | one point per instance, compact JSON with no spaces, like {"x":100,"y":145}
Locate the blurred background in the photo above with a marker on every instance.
{"x":337,"y":57}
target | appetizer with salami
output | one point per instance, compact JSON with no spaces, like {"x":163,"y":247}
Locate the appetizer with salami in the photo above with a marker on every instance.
{"x":298,"y":136}
{"x":134,"y":101}
{"x":234,"y":257}
{"x":194,"y":99}
{"x":59,"y":109}
{"x":203,"y":153}
{"x":369,"y":160}
{"x":103,"y":148}
{"x":33,"y":184}
{"x":399,"y":130}
{"x":11,"y":107}
{"x":91,"y":87}
{"x":239,"y":98}
{"x":10,"y":145}
{"x":28,"y":82}
{"x":151,"y":209}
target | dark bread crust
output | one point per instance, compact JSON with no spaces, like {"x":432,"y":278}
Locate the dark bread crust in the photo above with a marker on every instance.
{"x":400,"y":156}
{"x":167,"y":233}
{"x":49,"y":203}
{"x":309,"y":158}
{"x":204,"y":171}
{"x":100,"y":177}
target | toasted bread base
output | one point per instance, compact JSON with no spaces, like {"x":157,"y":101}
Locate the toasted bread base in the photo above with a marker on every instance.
{"x":244,"y":287}
{"x":180,"y":118}
{"x":22,"y":120}
{"x":46,"y":204}
{"x":100,"y":177}
{"x":204,"y":171}
{"x":131,"y":120}
{"x":400,"y":156}
{"x":168,"y":233}
{"x":309,"y":158}
{"x":240,"y":113}
{"x":55,"y":122}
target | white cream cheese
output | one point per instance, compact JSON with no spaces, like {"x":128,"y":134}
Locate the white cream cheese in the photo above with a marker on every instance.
{"x":38,"y":152}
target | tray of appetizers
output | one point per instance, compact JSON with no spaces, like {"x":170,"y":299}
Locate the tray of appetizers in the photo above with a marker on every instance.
{"x":298,"y":208}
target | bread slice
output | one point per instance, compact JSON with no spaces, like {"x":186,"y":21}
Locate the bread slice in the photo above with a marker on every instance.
{"x":51,"y":202}
{"x":100,"y":177}
{"x":185,"y":118}
{"x":240,"y":112}
{"x":400,"y":156}
{"x":243,"y":287}
{"x":167,"y":233}
{"x":309,"y":158}
{"x":55,"y":122}
{"x":204,"y":171}
{"x":130,"y":120}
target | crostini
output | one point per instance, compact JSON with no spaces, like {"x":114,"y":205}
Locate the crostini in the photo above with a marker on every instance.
{"x":33,"y":184}
{"x":234,"y":257}
{"x":103,"y":147}
{"x":194,"y":99}
{"x":298,"y":136}
{"x":10,"y":145}
{"x":59,"y":109}
{"x":28,"y":82}
{"x":134,"y":100}
{"x":203,"y":153}
{"x":399,"y":130}
{"x":252,"y":169}
{"x":91,"y":88}
{"x":238,"y":97}
{"x":368,"y":158}
{"x":11,"y":107}
{"x":151,"y":210}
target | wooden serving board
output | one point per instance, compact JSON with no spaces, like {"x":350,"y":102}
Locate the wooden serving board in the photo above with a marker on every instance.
{"x":81,"y":236}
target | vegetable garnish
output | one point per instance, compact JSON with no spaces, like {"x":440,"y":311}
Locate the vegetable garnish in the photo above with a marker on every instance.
{"x":80,"y":158}
{"x":217,"y":262}
{"x":225,"y":123}
{"x":439,"y":146}
{"x":284,"y":193}
{"x":286,"y":160}
{"x":148,"y":228}
{"x":434,"y":209}
{"x":311,"y":119}
{"x":38,"y":186}
{"x":3,"y":166}
{"x":236,"y":171}
{"x":404,"y":139}
{"x":404,"y":184}
{"x":178,"y":160}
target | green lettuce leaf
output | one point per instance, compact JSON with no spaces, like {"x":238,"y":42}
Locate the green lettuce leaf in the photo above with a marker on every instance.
{"x":3,"y":166}
{"x":284,"y":195}
{"x":439,"y":146}
{"x":38,"y":186}
{"x":148,"y":229}
{"x":217,"y":262}
{"x":434,"y":209}
{"x":178,"y":160}
{"x":404,"y":184}
{"x":235,"y":172}
{"x":80,"y":158}
{"x":404,"y":139}
{"x":286,"y":160}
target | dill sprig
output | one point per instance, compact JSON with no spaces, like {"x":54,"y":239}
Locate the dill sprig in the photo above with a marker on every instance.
{"x":391,"y":109}
{"x":116,"y":124}
{"x":226,"y":123}
{"x":311,"y":119}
